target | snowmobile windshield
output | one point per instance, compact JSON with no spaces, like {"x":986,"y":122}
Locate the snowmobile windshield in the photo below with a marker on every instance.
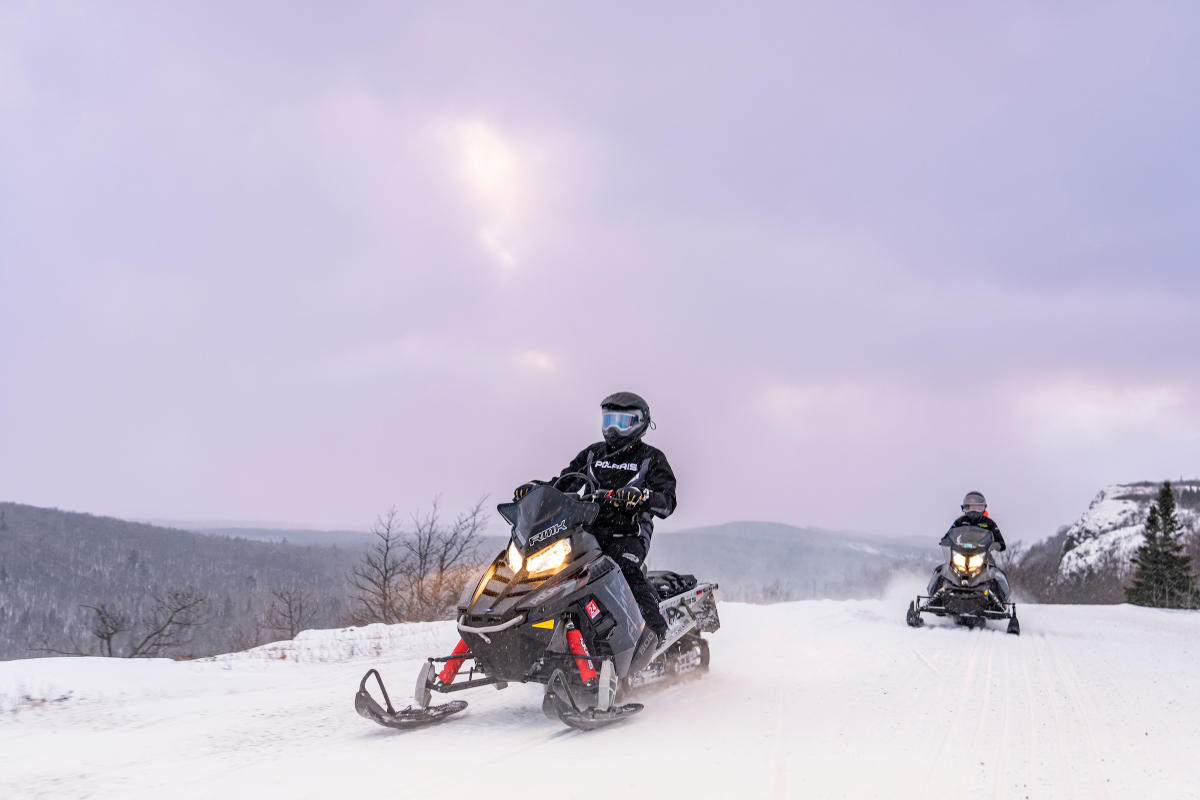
{"x":969,"y":539}
{"x":544,"y":516}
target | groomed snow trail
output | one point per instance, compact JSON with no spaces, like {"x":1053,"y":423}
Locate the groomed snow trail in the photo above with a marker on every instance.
{"x":813,"y":699}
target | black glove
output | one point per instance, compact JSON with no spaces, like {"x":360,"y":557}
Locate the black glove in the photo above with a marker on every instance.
{"x":523,"y":489}
{"x":626,"y":497}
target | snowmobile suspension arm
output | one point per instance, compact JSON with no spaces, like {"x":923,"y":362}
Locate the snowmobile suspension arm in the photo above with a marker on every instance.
{"x":458,"y":687}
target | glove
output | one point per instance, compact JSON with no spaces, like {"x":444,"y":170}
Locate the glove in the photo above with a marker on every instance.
{"x":523,"y":489}
{"x":626,"y":497}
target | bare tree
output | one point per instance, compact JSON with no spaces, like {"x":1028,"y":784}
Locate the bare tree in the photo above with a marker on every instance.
{"x":436,"y":558}
{"x":171,"y":622}
{"x":377,"y":578}
{"x":107,"y":623}
{"x":417,"y":576}
{"x":292,"y":610}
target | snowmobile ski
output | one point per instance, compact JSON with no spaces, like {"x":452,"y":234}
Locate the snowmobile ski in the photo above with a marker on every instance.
{"x":368,"y":707}
{"x":559,"y":704}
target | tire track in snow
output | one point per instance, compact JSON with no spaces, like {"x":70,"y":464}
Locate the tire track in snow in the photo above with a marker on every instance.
{"x":1003,"y":757}
{"x":948,"y":736}
{"x":1051,"y":701}
{"x":1075,"y":691}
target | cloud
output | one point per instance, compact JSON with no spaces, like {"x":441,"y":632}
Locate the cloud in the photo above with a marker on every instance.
{"x":1096,"y":411}
{"x":537,"y":361}
{"x":495,"y":174}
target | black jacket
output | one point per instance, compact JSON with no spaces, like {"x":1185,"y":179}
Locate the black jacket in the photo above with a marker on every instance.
{"x":639,"y":465}
{"x":987,"y":523}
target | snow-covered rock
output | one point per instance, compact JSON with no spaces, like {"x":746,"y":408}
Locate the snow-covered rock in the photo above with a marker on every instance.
{"x":1112,"y":528}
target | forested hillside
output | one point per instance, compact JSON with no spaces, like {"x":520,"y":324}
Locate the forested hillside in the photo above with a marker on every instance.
{"x":53,"y":563}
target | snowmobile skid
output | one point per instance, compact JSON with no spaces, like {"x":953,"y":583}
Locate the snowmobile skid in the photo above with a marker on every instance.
{"x":408,"y":717}
{"x":968,"y":610}
{"x":559,"y":703}
{"x":554,"y":609}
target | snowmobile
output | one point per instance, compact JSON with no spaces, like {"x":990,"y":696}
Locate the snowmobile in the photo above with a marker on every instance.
{"x":553,"y":609}
{"x":969,"y":586}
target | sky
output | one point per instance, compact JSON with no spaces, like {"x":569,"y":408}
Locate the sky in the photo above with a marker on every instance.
{"x":297,"y":263}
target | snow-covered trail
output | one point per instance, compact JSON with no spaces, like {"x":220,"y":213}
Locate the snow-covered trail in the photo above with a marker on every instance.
{"x":812,"y":699}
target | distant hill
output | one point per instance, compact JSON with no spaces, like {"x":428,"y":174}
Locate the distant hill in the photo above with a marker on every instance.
{"x":754,"y":561}
{"x":303,"y":537}
{"x":52,"y":562}
{"x":769,"y":561}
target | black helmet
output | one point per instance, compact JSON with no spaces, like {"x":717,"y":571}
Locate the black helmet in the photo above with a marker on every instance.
{"x":974,"y":505}
{"x":624,"y":418}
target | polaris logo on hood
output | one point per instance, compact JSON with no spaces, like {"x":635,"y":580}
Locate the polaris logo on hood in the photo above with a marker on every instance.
{"x":542,"y":536}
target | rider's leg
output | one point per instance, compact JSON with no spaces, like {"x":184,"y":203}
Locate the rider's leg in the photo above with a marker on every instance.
{"x":629,"y":553}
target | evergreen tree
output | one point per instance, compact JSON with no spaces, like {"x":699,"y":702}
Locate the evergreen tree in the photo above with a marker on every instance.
{"x":1162,"y":575}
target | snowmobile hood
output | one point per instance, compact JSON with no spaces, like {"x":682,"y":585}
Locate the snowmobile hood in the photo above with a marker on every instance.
{"x":544,"y":516}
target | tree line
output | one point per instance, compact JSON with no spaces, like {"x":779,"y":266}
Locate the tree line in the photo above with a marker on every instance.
{"x":78,"y":584}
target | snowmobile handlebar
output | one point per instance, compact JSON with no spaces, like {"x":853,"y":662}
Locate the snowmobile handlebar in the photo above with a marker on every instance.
{"x":592,"y":484}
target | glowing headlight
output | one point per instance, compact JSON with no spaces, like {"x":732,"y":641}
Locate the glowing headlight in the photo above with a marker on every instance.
{"x":487,"y":576}
{"x":549,"y":559}
{"x":514,"y":558}
{"x":967,"y":564}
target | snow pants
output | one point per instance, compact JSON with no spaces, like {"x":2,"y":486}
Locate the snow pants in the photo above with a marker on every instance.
{"x":629,"y":552}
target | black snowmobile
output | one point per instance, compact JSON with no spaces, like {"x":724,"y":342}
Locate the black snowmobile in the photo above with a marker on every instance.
{"x":969,"y":586}
{"x":555,"y":610}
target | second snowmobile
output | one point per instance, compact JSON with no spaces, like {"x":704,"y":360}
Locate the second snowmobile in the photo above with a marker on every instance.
{"x":969,"y":586}
{"x":553,"y":609}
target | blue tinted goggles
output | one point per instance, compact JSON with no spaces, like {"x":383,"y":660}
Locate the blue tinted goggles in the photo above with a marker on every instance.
{"x":621,"y":420}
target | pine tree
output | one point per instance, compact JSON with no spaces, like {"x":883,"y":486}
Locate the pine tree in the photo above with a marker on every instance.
{"x":1162,"y":575}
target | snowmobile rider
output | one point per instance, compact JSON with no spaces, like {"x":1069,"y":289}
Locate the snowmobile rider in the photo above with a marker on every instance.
{"x":974,"y":508}
{"x":639,"y":486}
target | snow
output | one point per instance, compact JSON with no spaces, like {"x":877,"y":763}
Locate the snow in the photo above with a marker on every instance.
{"x":810,"y":699}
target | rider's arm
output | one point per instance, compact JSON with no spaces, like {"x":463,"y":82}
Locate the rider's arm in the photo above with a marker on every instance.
{"x":999,"y":537}
{"x":661,"y":482}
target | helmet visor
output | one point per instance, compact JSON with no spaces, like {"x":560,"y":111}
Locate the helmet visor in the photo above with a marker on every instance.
{"x":620,"y":420}
{"x":974,"y":507}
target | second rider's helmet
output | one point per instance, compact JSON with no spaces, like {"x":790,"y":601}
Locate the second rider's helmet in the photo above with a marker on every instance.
{"x":624,"y":419}
{"x":974,"y":505}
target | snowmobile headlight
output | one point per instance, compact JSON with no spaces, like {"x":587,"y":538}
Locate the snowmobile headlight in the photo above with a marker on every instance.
{"x":487,"y":576}
{"x":549,"y":559}
{"x":514,"y":558}
{"x":975,"y":563}
{"x":959,"y":561}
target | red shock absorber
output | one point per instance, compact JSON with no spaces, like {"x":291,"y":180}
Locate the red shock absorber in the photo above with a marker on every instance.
{"x":587,"y":671}
{"x":450,"y":671}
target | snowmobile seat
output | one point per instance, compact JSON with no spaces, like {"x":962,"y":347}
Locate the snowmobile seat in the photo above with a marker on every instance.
{"x":669,"y":584}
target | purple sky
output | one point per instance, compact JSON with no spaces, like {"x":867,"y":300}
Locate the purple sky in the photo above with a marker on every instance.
{"x":298,"y":265}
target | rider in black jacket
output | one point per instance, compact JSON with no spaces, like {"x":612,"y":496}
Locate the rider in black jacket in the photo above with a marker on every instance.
{"x":640,"y":486}
{"x":974,"y":507}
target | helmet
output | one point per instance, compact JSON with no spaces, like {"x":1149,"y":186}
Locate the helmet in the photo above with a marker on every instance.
{"x":624,"y":418}
{"x":974,"y":503}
